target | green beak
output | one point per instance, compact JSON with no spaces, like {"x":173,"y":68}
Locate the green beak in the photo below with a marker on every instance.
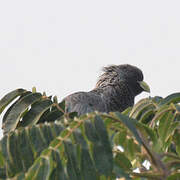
{"x":145,"y":86}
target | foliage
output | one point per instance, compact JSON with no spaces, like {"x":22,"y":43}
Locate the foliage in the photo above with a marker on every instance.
{"x":42,"y":141}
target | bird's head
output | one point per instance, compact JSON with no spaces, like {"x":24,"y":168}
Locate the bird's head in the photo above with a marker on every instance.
{"x":130,"y":75}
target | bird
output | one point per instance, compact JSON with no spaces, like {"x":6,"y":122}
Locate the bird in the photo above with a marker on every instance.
{"x":115,"y":90}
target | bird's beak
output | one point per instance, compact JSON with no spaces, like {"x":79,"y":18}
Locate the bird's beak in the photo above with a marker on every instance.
{"x":145,"y":86}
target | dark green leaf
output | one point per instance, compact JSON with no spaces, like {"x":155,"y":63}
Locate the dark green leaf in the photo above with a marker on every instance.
{"x":43,"y":172}
{"x":130,"y":124}
{"x":10,"y":97}
{"x":18,"y":109}
{"x":91,"y":131}
{"x":10,"y":169}
{"x":105,"y":164}
{"x":122,"y":161}
{"x":13,"y":152}
{"x":37,"y":140}
{"x":58,"y":170}
{"x":26,"y":151}
{"x":3,"y":173}
{"x":72,"y":164}
{"x":164,"y":125}
{"x":175,"y":176}
{"x":120,"y":173}
{"x":173,"y":98}
{"x":36,"y":111}
{"x":87,"y":167}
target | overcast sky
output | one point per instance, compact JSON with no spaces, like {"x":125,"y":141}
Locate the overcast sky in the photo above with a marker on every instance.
{"x":61,"y":46}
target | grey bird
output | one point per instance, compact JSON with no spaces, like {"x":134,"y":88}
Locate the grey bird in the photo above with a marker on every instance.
{"x":115,"y":91}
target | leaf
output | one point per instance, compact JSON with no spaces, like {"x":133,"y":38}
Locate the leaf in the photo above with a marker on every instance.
{"x":176,"y":139}
{"x":50,"y":116}
{"x":37,"y":139}
{"x":147,"y":132}
{"x":17,"y":110}
{"x":21,"y":148}
{"x":12,"y":105}
{"x":20,"y":176}
{"x":2,"y":173}
{"x":62,"y":105}
{"x":10,"y":97}
{"x":120,"y":137}
{"x":130,"y":123}
{"x":43,"y":171}
{"x":13,"y":152}
{"x":147,"y":116}
{"x":10,"y":169}
{"x":120,"y":173}
{"x":174,"y":176}
{"x":36,"y":111}
{"x":72,"y":164}
{"x":165,"y":124}
{"x":122,"y":161}
{"x":173,"y":98}
{"x":25,"y":148}
{"x":58,"y":169}
{"x":90,"y":132}
{"x":157,"y":99}
{"x":33,"y":170}
{"x":141,"y":107}
{"x":102,"y":150}
{"x":87,"y":166}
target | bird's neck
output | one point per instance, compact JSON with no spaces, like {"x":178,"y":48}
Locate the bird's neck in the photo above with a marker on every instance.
{"x":116,"y":98}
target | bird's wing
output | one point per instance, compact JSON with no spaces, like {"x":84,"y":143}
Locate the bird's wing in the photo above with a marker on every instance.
{"x":80,"y":108}
{"x":84,"y":102}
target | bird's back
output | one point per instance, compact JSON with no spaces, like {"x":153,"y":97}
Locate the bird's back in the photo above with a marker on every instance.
{"x":84,"y":102}
{"x":114,"y":91}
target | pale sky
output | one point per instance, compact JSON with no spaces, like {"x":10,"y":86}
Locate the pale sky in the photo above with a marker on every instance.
{"x":61,"y":46}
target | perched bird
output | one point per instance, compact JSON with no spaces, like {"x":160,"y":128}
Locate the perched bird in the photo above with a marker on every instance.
{"x":114,"y":91}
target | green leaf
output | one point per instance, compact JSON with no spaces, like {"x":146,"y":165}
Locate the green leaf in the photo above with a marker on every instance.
{"x":91,"y":132}
{"x":147,"y":116}
{"x":13,"y":152}
{"x":18,"y":109}
{"x":120,"y":137}
{"x":37,"y":140}
{"x":176,"y":139}
{"x":148,"y":132}
{"x":12,"y":105}
{"x":57,"y":128}
{"x":120,"y":173}
{"x":122,"y":161}
{"x":174,"y":176}
{"x":10,"y":97}
{"x":10,"y":169}
{"x":2,"y":173}
{"x":165,"y":124}
{"x":173,"y":98}
{"x":50,"y":116}
{"x":87,"y":166}
{"x":141,"y":107}
{"x":25,"y":149}
{"x":33,"y":170}
{"x":58,"y":169}
{"x":102,"y":150}
{"x":20,"y":176}
{"x":43,"y":172}
{"x":130,"y":123}
{"x":36,"y":111}
{"x":62,"y":105}
{"x":72,"y":163}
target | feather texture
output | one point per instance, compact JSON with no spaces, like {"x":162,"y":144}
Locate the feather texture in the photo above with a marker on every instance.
{"x":114,"y":91}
